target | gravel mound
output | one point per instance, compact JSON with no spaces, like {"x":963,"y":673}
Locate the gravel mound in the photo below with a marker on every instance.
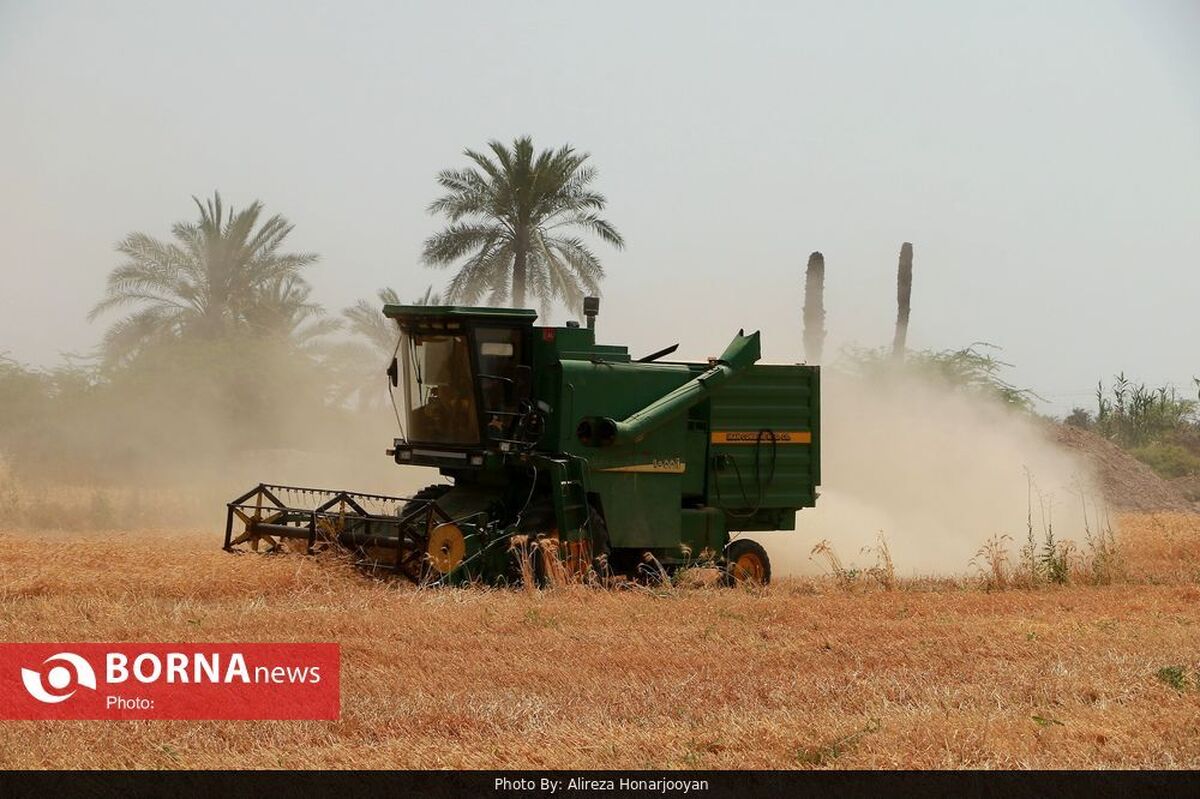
{"x":1189,"y":486}
{"x":1127,"y":483}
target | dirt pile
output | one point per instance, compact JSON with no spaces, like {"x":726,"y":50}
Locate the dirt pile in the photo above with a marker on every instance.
{"x":1127,"y":483}
{"x":1189,"y":486}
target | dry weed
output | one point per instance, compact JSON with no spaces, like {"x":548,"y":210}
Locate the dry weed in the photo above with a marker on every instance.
{"x":992,"y":563}
{"x":844,"y":578}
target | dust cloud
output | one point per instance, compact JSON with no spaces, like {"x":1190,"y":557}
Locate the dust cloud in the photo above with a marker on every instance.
{"x":937,"y":471}
{"x":167,"y":444}
{"x":166,"y":441}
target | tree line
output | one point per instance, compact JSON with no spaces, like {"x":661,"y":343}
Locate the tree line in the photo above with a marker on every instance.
{"x":214,"y":343}
{"x":514,"y":219}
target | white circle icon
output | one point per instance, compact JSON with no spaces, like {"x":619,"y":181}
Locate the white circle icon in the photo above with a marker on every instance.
{"x":59,"y":677}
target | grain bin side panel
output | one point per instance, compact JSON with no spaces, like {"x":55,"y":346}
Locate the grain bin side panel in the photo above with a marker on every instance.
{"x":774,"y":478}
{"x":639,"y":485}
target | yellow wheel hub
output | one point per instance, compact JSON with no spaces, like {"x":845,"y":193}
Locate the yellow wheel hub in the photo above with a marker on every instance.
{"x":749,"y":568}
{"x":447,"y":548}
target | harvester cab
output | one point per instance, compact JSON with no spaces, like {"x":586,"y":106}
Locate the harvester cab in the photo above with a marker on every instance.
{"x":564,"y":458}
{"x":466,"y":381}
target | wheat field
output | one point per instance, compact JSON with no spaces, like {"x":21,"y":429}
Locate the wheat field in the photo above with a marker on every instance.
{"x":802,"y":674}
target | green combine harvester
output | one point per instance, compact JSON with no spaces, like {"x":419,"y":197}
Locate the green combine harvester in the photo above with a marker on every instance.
{"x":566,"y":451}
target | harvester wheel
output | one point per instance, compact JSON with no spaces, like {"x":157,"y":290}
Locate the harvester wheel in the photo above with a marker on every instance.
{"x":447,"y":548}
{"x":432,"y":491}
{"x":746,"y":562}
{"x":416,"y":562}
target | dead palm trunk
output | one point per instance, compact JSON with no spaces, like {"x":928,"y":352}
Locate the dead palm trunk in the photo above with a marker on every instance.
{"x":903,"y":300}
{"x":814,"y":308}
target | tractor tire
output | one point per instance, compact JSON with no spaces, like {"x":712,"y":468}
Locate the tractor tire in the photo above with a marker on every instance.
{"x":746,"y":563}
{"x":433,"y":491}
{"x":415,"y":567}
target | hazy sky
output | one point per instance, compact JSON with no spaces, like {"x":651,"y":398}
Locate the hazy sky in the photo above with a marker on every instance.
{"x":1043,"y":157}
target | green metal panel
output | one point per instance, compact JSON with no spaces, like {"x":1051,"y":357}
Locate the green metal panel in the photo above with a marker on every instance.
{"x":642,"y":510}
{"x":567,"y":478}
{"x":703,"y":532}
{"x":772,"y":411}
{"x":641,"y":485}
{"x":695,"y":458}
{"x":601,"y":388}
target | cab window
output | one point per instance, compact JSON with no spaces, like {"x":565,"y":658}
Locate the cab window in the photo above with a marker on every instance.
{"x":498,"y":355}
{"x":440,"y":400}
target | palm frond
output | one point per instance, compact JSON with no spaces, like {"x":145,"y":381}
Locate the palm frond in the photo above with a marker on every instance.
{"x":510,"y":196}
{"x":222,"y":272}
{"x":456,"y":240}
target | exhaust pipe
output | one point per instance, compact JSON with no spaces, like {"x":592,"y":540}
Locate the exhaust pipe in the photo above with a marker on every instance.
{"x":591,"y":309}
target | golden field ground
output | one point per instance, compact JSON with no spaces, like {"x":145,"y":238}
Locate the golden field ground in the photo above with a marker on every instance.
{"x":935,"y":674}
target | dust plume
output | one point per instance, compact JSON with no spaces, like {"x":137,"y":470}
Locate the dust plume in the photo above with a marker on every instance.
{"x":936,"y":470}
{"x":167,"y":440}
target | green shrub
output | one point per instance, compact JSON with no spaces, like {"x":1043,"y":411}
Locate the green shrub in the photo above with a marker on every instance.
{"x":1168,"y":459}
{"x":1133,"y":415}
{"x":1174,"y":676}
{"x":972,"y":370}
{"x":1080,"y":417}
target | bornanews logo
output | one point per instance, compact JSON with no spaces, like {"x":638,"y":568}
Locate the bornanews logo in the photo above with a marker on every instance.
{"x":169,"y":681}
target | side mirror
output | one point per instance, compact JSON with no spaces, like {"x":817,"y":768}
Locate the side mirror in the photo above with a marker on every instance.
{"x":393,"y":372}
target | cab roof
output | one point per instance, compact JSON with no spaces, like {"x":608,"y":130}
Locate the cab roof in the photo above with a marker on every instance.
{"x":404,"y":312}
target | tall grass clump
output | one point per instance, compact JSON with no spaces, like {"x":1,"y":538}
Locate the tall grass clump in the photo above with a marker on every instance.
{"x":844,"y":578}
{"x":992,"y":563}
{"x":1102,"y":561}
{"x":884,"y":571}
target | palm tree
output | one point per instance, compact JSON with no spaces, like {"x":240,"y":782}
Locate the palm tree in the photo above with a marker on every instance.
{"x":359,"y":364}
{"x":282,"y":308}
{"x":903,"y":300}
{"x":814,"y":308}
{"x":366,"y":320}
{"x":206,"y":282}
{"x":510,"y":217}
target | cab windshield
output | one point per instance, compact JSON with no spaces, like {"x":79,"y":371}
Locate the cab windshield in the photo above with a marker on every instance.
{"x":440,"y":396}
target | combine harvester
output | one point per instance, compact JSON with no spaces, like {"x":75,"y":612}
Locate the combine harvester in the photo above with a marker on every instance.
{"x":557,"y":445}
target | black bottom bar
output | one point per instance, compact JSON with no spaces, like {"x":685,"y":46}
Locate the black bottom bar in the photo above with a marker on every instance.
{"x":706,"y":784}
